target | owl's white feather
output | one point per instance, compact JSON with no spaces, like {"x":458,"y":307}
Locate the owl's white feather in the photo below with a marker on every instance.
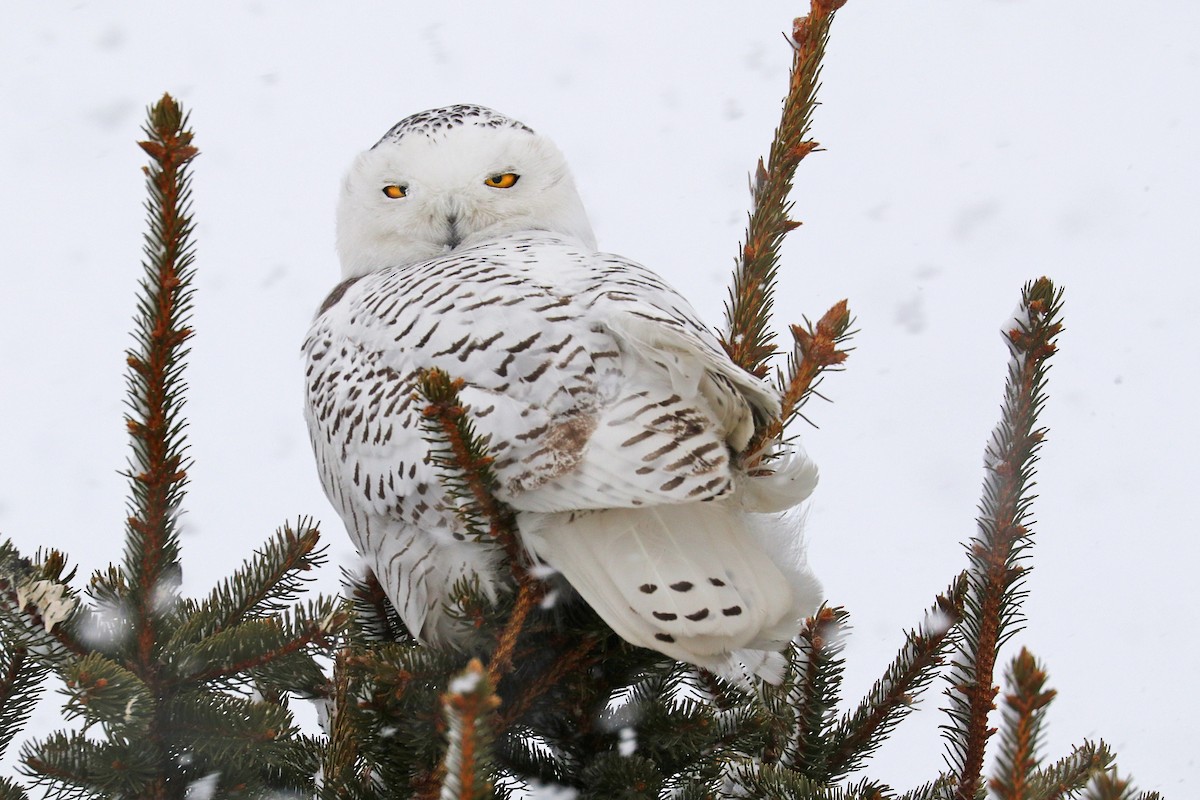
{"x":614,"y":415}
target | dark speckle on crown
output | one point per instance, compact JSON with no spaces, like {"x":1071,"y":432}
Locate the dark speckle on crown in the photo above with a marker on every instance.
{"x":436,"y":121}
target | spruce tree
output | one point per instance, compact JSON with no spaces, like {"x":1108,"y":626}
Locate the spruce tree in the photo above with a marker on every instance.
{"x":176,"y":694}
{"x":170,"y":692}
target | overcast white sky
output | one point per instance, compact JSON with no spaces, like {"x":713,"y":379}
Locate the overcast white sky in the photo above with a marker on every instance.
{"x":971,"y":145}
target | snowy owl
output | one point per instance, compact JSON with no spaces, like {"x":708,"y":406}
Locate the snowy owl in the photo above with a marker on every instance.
{"x":615,"y":417}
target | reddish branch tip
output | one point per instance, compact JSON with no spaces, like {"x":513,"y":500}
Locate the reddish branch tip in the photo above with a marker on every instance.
{"x":819,"y":345}
{"x":803,"y":149}
{"x":836,"y":319}
{"x":800,"y":30}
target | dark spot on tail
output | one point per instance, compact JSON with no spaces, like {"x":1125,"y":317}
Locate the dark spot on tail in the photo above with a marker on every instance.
{"x":665,"y":637}
{"x":682,"y":586}
{"x":699,"y":615}
{"x":648,"y":588}
{"x":732,"y":611}
{"x":665,"y":616}
{"x":716,"y":581}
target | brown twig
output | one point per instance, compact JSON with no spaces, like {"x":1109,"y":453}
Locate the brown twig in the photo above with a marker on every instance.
{"x":339,"y":765}
{"x":467,"y":464}
{"x":571,"y":662}
{"x":467,"y":467}
{"x":1003,"y":536}
{"x":749,"y":340}
{"x":158,"y":470}
{"x":469,"y":705}
{"x":528,"y":596}
{"x":320,"y":632}
{"x":1025,"y":707}
{"x":817,"y":350}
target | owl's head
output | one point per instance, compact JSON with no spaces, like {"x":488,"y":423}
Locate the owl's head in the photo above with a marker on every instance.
{"x":450,"y":178}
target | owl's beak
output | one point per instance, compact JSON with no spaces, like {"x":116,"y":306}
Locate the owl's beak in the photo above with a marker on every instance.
{"x":453,"y":235}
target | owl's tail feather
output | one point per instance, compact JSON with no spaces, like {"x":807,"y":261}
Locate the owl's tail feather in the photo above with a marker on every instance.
{"x":704,"y":582}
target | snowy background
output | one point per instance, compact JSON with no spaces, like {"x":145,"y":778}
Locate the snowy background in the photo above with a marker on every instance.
{"x":971,"y":145}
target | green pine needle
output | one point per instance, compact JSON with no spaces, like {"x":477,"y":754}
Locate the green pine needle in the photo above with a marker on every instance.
{"x":21,"y":678}
{"x":158,"y":467}
{"x":266,"y":584}
{"x":1072,"y":774}
{"x":1000,"y":547}
{"x":895,"y":694}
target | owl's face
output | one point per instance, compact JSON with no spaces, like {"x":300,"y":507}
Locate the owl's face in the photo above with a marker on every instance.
{"x":426,"y":192}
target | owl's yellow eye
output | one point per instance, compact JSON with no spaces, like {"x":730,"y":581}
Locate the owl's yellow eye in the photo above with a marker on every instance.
{"x":395,"y":192}
{"x":505,"y":180}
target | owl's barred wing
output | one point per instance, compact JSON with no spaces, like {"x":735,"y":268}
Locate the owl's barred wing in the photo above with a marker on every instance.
{"x":664,"y":437}
{"x":593,"y":380}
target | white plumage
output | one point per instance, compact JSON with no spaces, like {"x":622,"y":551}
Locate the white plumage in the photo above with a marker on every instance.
{"x":614,"y":415}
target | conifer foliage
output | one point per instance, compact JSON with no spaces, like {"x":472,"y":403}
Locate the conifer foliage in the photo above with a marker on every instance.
{"x":175,"y":695}
{"x":170,"y":692}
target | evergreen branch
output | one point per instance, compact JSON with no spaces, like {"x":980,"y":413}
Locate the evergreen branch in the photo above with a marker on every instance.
{"x":1110,"y":786}
{"x":801,"y":708}
{"x":934,"y":790}
{"x":257,"y":643}
{"x":297,"y":674}
{"x":1025,"y":708}
{"x":100,"y":690}
{"x":253,"y":745}
{"x":776,"y":782}
{"x":159,"y":727}
{"x":468,"y":705}
{"x":1070,"y":775}
{"x":340,"y":766}
{"x":682,"y":734}
{"x":748,"y":338}
{"x":817,"y":349}
{"x":11,"y":791}
{"x":158,"y":469}
{"x":466,"y":470}
{"x":894,"y":695}
{"x":465,"y":466}
{"x":262,"y":586}
{"x":20,"y":680}
{"x":612,"y":775}
{"x":38,"y":609}
{"x":992,"y":606}
{"x":572,"y":662}
{"x":85,"y":768}
{"x":397,"y":708}
{"x":528,"y":596}
{"x":526,"y":754}
{"x":821,"y":641}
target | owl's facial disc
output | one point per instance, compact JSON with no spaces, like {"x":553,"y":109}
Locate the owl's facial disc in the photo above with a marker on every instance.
{"x":417,"y":197}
